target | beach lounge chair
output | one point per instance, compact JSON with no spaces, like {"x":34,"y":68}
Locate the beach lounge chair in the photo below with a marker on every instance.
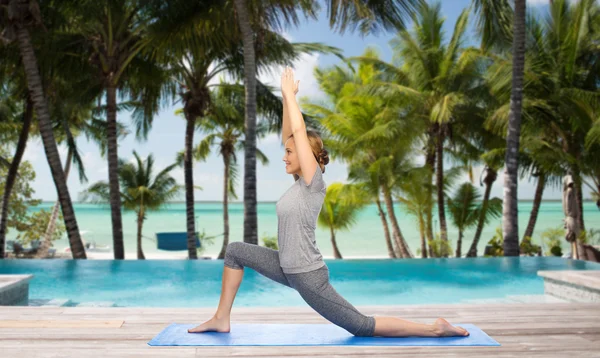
{"x":173,"y":241}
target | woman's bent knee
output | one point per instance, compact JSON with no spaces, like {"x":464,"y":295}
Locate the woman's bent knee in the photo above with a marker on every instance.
{"x":367,"y":329}
{"x":232,"y":255}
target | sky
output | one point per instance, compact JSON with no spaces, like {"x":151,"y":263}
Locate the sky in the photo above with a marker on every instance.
{"x":167,"y":135}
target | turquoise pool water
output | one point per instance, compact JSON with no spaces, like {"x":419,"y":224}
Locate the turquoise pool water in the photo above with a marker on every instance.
{"x":172,"y":283}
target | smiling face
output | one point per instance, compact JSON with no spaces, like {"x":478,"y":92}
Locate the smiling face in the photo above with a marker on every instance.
{"x":290,"y":158}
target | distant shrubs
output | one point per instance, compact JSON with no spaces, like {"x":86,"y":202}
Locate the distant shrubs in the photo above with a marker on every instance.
{"x":496,"y":246}
{"x":270,"y":242}
{"x":552,"y":239}
{"x":439,"y":247}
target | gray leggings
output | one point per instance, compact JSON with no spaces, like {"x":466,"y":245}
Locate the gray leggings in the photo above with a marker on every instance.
{"x":313,"y":286}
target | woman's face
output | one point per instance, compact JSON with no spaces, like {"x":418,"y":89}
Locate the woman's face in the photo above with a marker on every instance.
{"x":292,"y":165}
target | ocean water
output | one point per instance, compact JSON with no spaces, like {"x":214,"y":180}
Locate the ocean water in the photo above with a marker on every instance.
{"x":197,"y":283}
{"x":364,"y":239}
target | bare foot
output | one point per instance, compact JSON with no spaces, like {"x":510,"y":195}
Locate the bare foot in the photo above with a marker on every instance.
{"x":212,"y":325}
{"x":444,"y":329}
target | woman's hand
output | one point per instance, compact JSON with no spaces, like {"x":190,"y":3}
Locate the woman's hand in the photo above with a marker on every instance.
{"x":289,"y":87}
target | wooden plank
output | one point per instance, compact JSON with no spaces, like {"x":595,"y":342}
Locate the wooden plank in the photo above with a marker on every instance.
{"x":59,"y":324}
{"x":100,"y":352}
{"x":524,"y":330}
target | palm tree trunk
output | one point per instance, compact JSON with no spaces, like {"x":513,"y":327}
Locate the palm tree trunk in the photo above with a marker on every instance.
{"x":113,"y":172}
{"x":336,"y":251}
{"x":459,"y":244}
{"x":429,"y":229}
{"x":12,"y":172}
{"x":46,"y":242}
{"x":140,"y":224}
{"x":226,"y":160}
{"x":422,"y":234}
{"x":510,"y":209}
{"x":189,"y":187}
{"x":386,"y":229}
{"x":34,"y":83}
{"x":250,"y":216}
{"x":430,"y":162}
{"x":579,"y":197}
{"x":537,"y":200}
{"x":398,"y":238}
{"x":490,"y":178}
{"x":440,"y":186}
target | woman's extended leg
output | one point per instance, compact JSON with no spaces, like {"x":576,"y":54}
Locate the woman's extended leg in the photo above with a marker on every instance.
{"x":239,"y":255}
{"x":315,"y":289}
{"x":396,"y":327}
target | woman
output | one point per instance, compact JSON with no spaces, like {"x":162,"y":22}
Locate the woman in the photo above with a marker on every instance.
{"x":298,"y":263}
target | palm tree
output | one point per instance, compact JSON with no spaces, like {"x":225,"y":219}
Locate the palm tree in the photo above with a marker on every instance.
{"x":496,"y":18}
{"x":340,"y":207}
{"x":15,"y":122}
{"x":355,"y":119}
{"x":224,"y":127}
{"x":258,"y":14}
{"x":372,"y":187}
{"x":393,"y":167}
{"x":15,"y":24}
{"x":433,"y":80}
{"x":368,"y":16}
{"x":491,"y":174}
{"x":465,"y":212}
{"x":13,"y":168}
{"x":510,"y":220}
{"x":561,"y":74}
{"x":476,"y":142}
{"x":199,"y":42}
{"x":114,"y":35}
{"x":184,"y":42}
{"x":537,"y":162}
{"x":141,"y":190}
{"x":74,"y":118}
{"x":417,"y":199}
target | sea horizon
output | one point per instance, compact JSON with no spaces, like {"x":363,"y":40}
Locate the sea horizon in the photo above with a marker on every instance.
{"x":274,"y":201}
{"x":364,"y":239}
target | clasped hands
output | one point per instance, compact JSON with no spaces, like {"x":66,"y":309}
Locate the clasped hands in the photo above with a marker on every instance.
{"x":289,"y":87}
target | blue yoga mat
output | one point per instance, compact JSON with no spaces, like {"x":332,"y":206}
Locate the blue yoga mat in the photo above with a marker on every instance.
{"x":304,"y":335}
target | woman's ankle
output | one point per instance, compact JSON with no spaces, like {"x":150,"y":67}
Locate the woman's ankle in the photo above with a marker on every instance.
{"x":221,"y":316}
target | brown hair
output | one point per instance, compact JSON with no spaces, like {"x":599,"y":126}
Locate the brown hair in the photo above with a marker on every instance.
{"x":316,"y":144}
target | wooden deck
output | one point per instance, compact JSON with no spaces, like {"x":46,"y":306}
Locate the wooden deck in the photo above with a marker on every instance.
{"x":524,"y":330}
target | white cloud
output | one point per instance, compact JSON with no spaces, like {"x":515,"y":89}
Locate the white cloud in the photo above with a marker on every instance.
{"x":303,"y":71}
{"x":538,"y":2}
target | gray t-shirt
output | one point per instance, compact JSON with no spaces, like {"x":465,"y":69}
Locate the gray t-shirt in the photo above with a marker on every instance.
{"x":297,"y":213}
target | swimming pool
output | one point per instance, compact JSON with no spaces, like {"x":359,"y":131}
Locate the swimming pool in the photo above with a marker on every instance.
{"x":172,"y":283}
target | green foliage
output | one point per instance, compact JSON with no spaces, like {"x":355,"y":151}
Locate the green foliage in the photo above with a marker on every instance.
{"x":497,"y":243}
{"x":552,"y":238}
{"x":528,"y":248}
{"x":29,"y":226}
{"x":462,"y":208}
{"x":37,"y":225}
{"x":270,"y":242}
{"x":590,"y":237}
{"x":341,"y":205}
{"x":439,"y":247}
{"x":141,"y":190}
{"x":204,"y":241}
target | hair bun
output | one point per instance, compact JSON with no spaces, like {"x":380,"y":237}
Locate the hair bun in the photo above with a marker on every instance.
{"x":324,"y":157}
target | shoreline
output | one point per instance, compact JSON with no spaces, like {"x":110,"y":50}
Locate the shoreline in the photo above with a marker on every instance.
{"x":173,"y":256}
{"x":275,"y":201}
